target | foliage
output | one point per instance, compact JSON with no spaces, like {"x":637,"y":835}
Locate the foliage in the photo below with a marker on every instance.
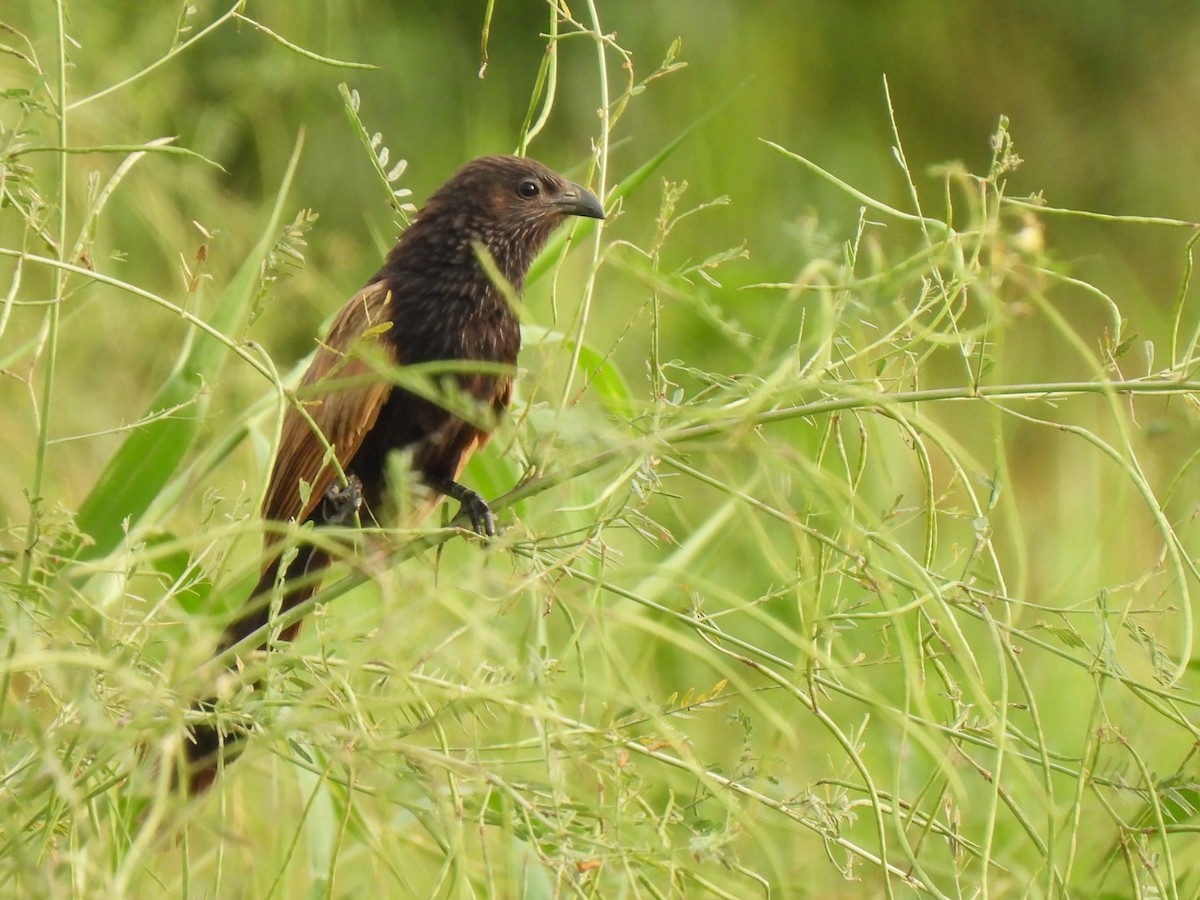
{"x":869,"y":571}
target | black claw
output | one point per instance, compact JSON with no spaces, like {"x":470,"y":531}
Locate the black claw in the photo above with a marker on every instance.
{"x":483,"y":523}
{"x":342,"y":502}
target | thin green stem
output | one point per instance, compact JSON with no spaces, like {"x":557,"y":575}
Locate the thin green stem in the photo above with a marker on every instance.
{"x":48,"y":339}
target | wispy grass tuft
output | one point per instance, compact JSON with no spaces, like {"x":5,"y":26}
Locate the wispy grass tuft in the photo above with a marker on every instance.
{"x":872,"y":575}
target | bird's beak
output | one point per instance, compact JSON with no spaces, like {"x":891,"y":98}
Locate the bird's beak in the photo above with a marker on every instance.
{"x":578,"y":201}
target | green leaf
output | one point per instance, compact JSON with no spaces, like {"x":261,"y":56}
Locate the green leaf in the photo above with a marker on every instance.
{"x":148,"y":458}
{"x":602,"y":374}
{"x":176,"y":564}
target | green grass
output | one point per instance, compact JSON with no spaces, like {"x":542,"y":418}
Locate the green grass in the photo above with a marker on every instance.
{"x":865,"y":570}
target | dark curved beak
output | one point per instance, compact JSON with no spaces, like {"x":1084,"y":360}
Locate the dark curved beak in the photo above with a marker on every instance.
{"x":579,"y":201}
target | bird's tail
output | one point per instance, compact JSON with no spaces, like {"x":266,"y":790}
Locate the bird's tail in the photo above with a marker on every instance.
{"x":210,"y":746}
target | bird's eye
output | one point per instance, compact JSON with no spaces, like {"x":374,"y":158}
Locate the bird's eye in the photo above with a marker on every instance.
{"x":529,"y":189}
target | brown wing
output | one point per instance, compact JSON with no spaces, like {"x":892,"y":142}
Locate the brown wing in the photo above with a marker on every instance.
{"x":343,"y":415}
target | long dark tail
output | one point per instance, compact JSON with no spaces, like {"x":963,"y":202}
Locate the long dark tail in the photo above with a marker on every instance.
{"x":211,"y":747}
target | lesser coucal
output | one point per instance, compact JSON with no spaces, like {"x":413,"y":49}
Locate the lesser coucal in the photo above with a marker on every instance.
{"x":434,"y":300}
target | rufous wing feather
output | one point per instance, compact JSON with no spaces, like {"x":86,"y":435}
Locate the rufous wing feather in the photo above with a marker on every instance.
{"x":343,"y":415}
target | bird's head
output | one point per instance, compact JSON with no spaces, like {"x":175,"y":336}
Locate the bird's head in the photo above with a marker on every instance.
{"x":509,"y":204}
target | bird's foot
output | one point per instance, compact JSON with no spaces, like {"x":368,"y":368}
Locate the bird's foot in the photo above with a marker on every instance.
{"x":342,"y":502}
{"x":483,"y":522}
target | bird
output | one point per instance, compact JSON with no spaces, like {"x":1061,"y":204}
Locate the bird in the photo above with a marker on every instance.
{"x":441,"y":296}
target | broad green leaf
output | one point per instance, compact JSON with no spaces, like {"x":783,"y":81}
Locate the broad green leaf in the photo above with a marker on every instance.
{"x":148,"y":458}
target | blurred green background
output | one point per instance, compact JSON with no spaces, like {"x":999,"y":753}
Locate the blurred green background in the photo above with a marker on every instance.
{"x":1100,"y":97}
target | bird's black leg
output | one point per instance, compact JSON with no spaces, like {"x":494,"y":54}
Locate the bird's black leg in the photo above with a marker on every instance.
{"x":483,"y":522}
{"x":342,"y":502}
